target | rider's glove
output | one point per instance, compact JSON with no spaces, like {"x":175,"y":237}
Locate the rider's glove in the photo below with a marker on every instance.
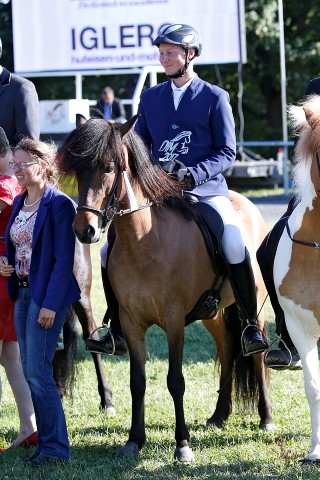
{"x":177,"y":169}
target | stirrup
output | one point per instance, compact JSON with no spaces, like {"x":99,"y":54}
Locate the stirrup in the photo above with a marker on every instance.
{"x":103,"y":330}
{"x":259,"y":350}
{"x":282,"y":366}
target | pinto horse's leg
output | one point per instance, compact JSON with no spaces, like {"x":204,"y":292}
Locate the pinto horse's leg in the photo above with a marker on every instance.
{"x":306,"y":344}
{"x":83,"y":310}
{"x":137,"y":350}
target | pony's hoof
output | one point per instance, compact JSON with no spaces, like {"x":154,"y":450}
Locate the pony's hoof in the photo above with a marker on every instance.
{"x":268,"y":427}
{"x":111,"y":412}
{"x":217,"y":423}
{"x":183,"y":454}
{"x":130,"y":449}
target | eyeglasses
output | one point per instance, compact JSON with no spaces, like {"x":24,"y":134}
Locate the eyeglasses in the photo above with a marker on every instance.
{"x":21,"y":165}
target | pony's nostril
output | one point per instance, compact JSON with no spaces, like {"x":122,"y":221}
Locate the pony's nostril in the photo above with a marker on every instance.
{"x":91,"y":231}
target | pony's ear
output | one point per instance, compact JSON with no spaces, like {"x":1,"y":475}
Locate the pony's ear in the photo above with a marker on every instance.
{"x":308,"y":113}
{"x":80,"y":120}
{"x":125,"y":127}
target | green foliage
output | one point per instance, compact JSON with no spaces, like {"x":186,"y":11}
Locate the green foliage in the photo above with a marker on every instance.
{"x":260,"y":75}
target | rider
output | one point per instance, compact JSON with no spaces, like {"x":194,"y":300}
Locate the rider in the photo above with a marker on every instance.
{"x":188,"y":125}
{"x":287,"y":355}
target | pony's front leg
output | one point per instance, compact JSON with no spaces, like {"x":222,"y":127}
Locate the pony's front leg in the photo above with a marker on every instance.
{"x":137,"y":435}
{"x":176,"y":387}
{"x":306,"y":344}
{"x":310,"y":361}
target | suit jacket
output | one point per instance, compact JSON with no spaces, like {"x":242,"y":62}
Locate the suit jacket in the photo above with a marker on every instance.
{"x":200,"y":133}
{"x":118,"y":113}
{"x":51,"y":277}
{"x":19,"y":107}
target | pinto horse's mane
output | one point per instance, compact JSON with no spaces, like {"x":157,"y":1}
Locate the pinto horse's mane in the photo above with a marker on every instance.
{"x":97,"y":143}
{"x":305,"y":121}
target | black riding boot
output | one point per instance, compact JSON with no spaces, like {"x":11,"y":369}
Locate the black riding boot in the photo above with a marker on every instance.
{"x":113,"y":343}
{"x":244,"y":288}
{"x":287,"y":355}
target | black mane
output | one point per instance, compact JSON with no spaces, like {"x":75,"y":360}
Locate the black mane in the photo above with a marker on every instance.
{"x":98,"y":143}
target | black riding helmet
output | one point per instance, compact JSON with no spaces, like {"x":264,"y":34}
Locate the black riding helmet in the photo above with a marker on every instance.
{"x":183,"y":35}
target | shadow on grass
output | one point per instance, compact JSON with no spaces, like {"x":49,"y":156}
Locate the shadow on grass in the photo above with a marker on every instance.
{"x":156,"y":461}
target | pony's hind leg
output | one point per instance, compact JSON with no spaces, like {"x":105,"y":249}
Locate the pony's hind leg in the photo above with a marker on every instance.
{"x":224,"y":342}
{"x":84,"y":313}
{"x":83,"y":310}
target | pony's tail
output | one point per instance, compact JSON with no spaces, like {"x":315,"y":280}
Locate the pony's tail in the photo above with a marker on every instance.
{"x":64,"y":362}
{"x":245,"y":381}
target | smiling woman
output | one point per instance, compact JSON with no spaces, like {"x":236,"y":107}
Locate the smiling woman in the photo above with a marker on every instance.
{"x":40,"y":246}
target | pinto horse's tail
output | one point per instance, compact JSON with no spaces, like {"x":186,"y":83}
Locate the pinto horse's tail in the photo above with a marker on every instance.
{"x":245,"y":379}
{"x":64,"y":362}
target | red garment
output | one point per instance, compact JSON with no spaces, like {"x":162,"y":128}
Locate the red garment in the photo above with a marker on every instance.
{"x":9,"y":188}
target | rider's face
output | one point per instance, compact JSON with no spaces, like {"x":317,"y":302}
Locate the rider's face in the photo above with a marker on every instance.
{"x":172,"y":57}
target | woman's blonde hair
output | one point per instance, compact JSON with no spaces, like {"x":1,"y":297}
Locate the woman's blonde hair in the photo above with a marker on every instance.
{"x":44,"y":152}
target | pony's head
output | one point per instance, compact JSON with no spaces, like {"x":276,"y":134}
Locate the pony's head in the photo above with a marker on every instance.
{"x":97,"y":153}
{"x":305,"y":120}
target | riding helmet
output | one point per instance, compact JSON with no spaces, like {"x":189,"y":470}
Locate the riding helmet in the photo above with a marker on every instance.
{"x":180,"y":34}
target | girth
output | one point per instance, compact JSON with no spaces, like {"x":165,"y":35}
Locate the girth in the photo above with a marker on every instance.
{"x":211,"y":227}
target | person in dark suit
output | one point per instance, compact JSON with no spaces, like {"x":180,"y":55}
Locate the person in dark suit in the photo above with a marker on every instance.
{"x":19,"y":106}
{"x":40,"y":245}
{"x":109,"y":107}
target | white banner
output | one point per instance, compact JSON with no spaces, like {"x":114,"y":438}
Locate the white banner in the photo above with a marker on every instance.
{"x":59,"y":35}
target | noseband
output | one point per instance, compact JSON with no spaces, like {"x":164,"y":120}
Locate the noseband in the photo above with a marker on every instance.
{"x":110,"y":209}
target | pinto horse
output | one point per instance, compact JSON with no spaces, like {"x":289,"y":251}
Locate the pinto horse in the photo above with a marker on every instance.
{"x":159,"y":267}
{"x":297,"y":260}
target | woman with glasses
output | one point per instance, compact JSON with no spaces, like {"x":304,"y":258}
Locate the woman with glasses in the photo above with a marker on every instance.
{"x":9,"y":349}
{"x":39,"y":259}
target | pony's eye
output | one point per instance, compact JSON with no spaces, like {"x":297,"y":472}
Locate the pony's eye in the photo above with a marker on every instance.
{"x":109,"y":169}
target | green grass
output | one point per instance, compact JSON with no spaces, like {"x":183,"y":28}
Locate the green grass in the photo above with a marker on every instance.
{"x":238,"y":451}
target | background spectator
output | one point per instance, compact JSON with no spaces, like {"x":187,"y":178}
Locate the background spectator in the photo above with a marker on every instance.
{"x":109,"y":107}
{"x":19,"y":106}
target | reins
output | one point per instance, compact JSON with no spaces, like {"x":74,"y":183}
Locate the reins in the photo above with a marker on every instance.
{"x":301,"y":242}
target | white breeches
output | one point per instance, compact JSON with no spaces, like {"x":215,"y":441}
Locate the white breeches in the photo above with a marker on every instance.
{"x":232,"y":243}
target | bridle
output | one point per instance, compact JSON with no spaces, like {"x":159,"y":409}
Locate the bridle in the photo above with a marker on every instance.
{"x":302,"y":242}
{"x":110,"y":209}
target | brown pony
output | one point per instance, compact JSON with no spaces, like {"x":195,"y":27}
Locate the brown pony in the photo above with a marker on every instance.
{"x":159,"y":267}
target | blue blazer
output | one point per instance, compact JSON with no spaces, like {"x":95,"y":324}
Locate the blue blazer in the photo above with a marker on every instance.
{"x":52,"y":282}
{"x":200,"y":133}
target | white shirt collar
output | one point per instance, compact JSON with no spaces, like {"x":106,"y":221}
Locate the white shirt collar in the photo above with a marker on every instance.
{"x":183,"y":88}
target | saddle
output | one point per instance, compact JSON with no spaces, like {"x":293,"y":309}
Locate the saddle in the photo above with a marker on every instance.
{"x":211,"y":227}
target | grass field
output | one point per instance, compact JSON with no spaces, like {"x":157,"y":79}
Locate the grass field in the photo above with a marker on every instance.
{"x":238,"y":451}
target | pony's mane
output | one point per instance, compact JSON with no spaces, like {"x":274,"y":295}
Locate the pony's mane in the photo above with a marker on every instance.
{"x":307,"y":133}
{"x":98,"y":143}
